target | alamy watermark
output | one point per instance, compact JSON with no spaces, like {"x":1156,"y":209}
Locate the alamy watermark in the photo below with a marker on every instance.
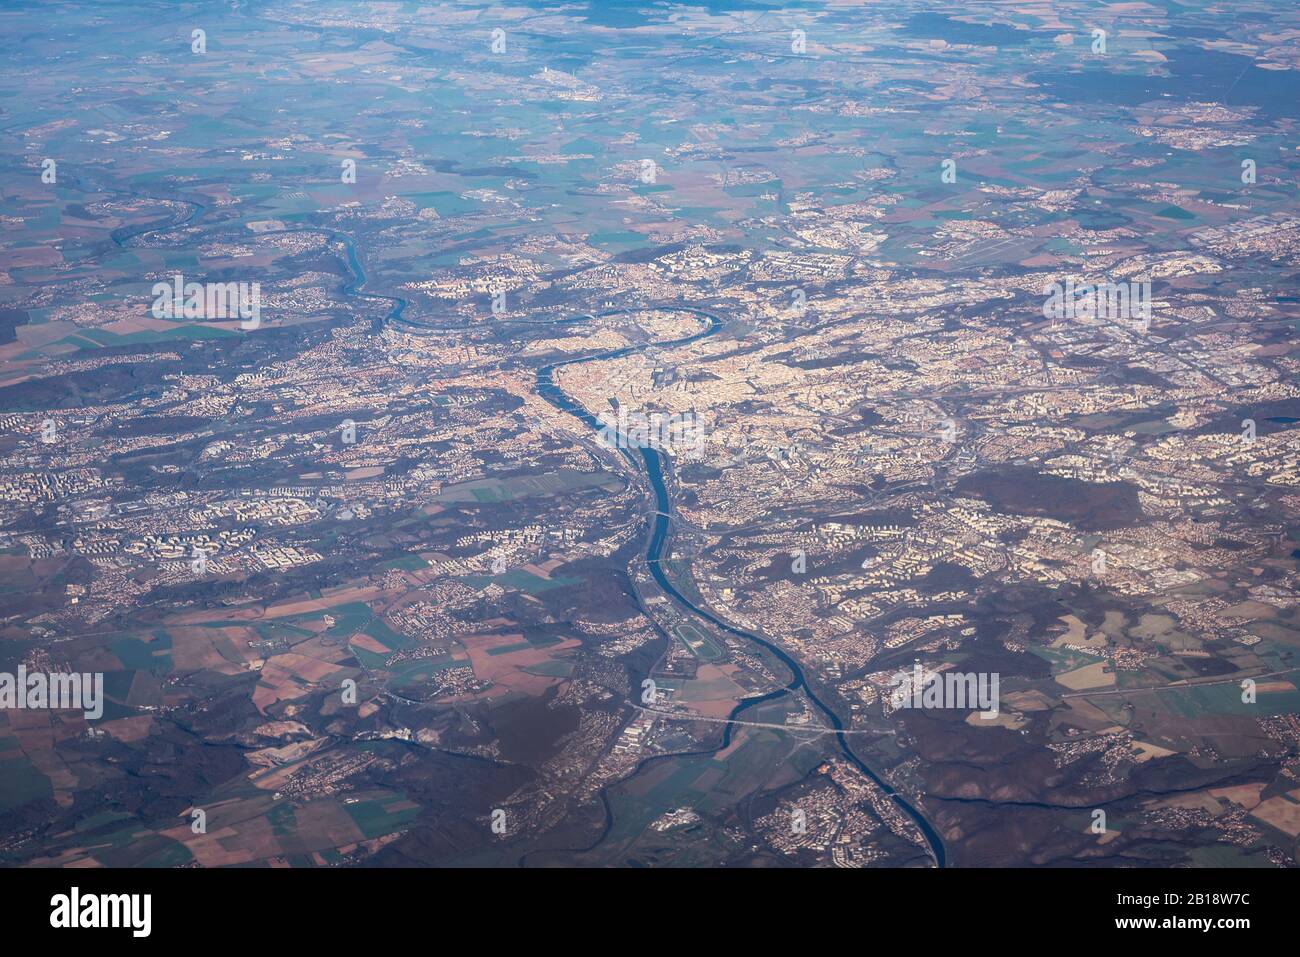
{"x":919,"y":688}
{"x":677,"y":432}
{"x":1118,"y":301}
{"x":59,"y":691}
{"x":75,"y":909}
{"x":179,"y":299}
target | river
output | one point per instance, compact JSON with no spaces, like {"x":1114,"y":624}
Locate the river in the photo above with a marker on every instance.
{"x":652,"y":462}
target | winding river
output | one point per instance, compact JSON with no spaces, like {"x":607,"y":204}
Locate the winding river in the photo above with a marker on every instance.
{"x":653,"y":463}
{"x":649,"y":459}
